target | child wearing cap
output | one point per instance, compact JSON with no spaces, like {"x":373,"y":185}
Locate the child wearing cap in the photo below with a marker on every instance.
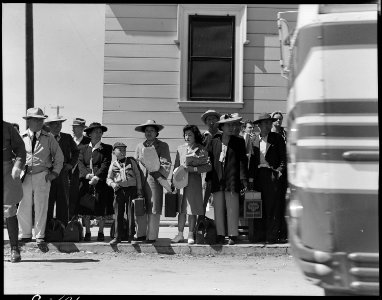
{"x":125,"y":179}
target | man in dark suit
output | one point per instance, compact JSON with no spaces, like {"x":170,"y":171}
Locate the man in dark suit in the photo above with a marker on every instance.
{"x":266,"y":168}
{"x":59,"y":190}
{"x":81,"y":140}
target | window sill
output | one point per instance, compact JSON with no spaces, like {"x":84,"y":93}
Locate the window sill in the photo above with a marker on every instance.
{"x":211,"y":104}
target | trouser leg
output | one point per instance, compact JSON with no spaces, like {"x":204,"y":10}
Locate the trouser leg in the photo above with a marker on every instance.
{"x":219,"y":212}
{"x":41,"y":198}
{"x":62,"y":198}
{"x":24,"y":211}
{"x":232,"y":204}
{"x":153,"y":226}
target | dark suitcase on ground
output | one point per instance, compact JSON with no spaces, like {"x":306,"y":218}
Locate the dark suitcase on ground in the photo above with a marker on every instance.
{"x":170,"y":205}
{"x":73,"y":231}
{"x":205,"y":231}
{"x":54,"y":231}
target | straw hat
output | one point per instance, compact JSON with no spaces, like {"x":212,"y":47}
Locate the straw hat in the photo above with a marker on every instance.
{"x":54,"y":119}
{"x":229,"y":118}
{"x":35,"y":112}
{"x":141,"y":128}
{"x":210,"y":112}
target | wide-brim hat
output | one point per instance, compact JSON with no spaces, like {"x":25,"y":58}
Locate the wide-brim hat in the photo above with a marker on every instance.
{"x":237,"y":115}
{"x":264,"y":116}
{"x":79,"y":122}
{"x":180,"y":177}
{"x":93,"y":126}
{"x":54,"y":119}
{"x":34,"y":112}
{"x":141,"y":128}
{"x":229,"y":118}
{"x":210,"y":112}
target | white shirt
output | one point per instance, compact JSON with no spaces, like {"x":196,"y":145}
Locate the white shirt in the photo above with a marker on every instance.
{"x":96,"y":146}
{"x":263,"y":149}
{"x":30,"y":133}
{"x":78,"y":140}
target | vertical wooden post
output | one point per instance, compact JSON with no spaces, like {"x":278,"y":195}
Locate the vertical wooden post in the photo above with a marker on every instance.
{"x":29,"y":55}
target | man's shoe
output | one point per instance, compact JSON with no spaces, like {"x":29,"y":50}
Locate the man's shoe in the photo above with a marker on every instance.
{"x":25,"y":240}
{"x":232,"y":240}
{"x":87,"y":237}
{"x":100,"y":237}
{"x":139,"y":239}
{"x":115,"y":241}
{"x":39,"y":241}
{"x":178,"y":238}
{"x":15,"y":255}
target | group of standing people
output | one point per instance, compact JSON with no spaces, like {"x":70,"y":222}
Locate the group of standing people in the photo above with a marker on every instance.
{"x":55,"y":170}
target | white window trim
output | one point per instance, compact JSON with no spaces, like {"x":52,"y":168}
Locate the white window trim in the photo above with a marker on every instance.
{"x":240,"y":13}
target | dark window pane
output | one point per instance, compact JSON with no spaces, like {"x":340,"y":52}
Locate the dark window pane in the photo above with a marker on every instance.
{"x":211,"y":79}
{"x":212,"y":39}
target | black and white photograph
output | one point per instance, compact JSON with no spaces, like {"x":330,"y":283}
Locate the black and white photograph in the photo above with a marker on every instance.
{"x":190,"y":149}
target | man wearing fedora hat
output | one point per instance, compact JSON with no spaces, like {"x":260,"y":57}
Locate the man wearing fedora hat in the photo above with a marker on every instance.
{"x":44,"y":163}
{"x":59,"y":190}
{"x":81,"y":140}
{"x":266,"y":167}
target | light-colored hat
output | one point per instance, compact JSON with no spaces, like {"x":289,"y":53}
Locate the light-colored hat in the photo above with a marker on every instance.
{"x":237,"y":115}
{"x":229,"y":118}
{"x":79,"y":122}
{"x":210,"y":112}
{"x":180,"y":177}
{"x":95,"y":125}
{"x":54,"y":119}
{"x":119,"y":144}
{"x":141,"y":128}
{"x":262,"y":117}
{"x":35,"y":112}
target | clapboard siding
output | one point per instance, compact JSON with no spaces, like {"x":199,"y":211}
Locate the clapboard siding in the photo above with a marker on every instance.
{"x":122,"y":90}
{"x":140,"y":104}
{"x":142,"y":71}
{"x":141,"y":10}
{"x":264,"y":80}
{"x":141,"y":24}
{"x":145,"y":38}
{"x":141,"y":64}
{"x":134,"y":50}
{"x":261,"y":66}
{"x":141,"y":77}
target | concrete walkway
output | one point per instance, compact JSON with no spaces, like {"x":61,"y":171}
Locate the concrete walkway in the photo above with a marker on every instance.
{"x":168,"y":229}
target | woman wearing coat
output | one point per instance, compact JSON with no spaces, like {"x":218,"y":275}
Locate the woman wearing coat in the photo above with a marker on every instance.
{"x":147,"y":226}
{"x":228,"y":177}
{"x":191,"y":198}
{"x":93,"y":163}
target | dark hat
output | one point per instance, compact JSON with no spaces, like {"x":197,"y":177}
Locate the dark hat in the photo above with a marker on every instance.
{"x":79,"y":122}
{"x":54,"y":119}
{"x":141,"y":128}
{"x":264,"y":116}
{"x":118,"y":144}
{"x":210,"y":112}
{"x":95,"y":125}
{"x":229,"y":118}
{"x":35,"y":112}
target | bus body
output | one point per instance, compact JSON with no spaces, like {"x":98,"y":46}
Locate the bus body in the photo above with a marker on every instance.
{"x":333,"y":146}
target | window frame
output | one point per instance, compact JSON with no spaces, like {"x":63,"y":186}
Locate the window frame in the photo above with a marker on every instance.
{"x":239,"y":11}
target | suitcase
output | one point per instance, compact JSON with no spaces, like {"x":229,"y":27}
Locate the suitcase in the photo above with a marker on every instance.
{"x":253,"y":205}
{"x":170,"y":205}
{"x":139,"y":206}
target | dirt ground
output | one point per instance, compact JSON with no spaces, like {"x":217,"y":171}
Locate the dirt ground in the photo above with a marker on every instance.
{"x":154,"y":274}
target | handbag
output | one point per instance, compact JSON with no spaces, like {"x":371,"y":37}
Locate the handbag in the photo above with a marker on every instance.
{"x":89,"y":199}
{"x":139,"y":206}
{"x":253,"y":205}
{"x":73,"y":231}
{"x":170,"y":204}
{"x":54,"y":231}
{"x":205,"y":231}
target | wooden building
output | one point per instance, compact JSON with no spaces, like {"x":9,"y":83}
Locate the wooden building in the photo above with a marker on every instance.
{"x":172,"y":62}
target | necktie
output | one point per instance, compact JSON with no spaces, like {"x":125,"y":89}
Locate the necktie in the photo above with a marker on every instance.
{"x":34,"y":139}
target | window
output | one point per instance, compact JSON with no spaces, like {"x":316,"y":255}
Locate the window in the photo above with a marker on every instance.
{"x":211,"y":58}
{"x":211,"y":40}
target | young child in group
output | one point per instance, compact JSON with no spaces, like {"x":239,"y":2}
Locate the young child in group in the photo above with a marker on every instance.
{"x":125,"y":179}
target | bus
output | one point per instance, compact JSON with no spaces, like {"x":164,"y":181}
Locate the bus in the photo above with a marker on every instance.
{"x":330,"y":61}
